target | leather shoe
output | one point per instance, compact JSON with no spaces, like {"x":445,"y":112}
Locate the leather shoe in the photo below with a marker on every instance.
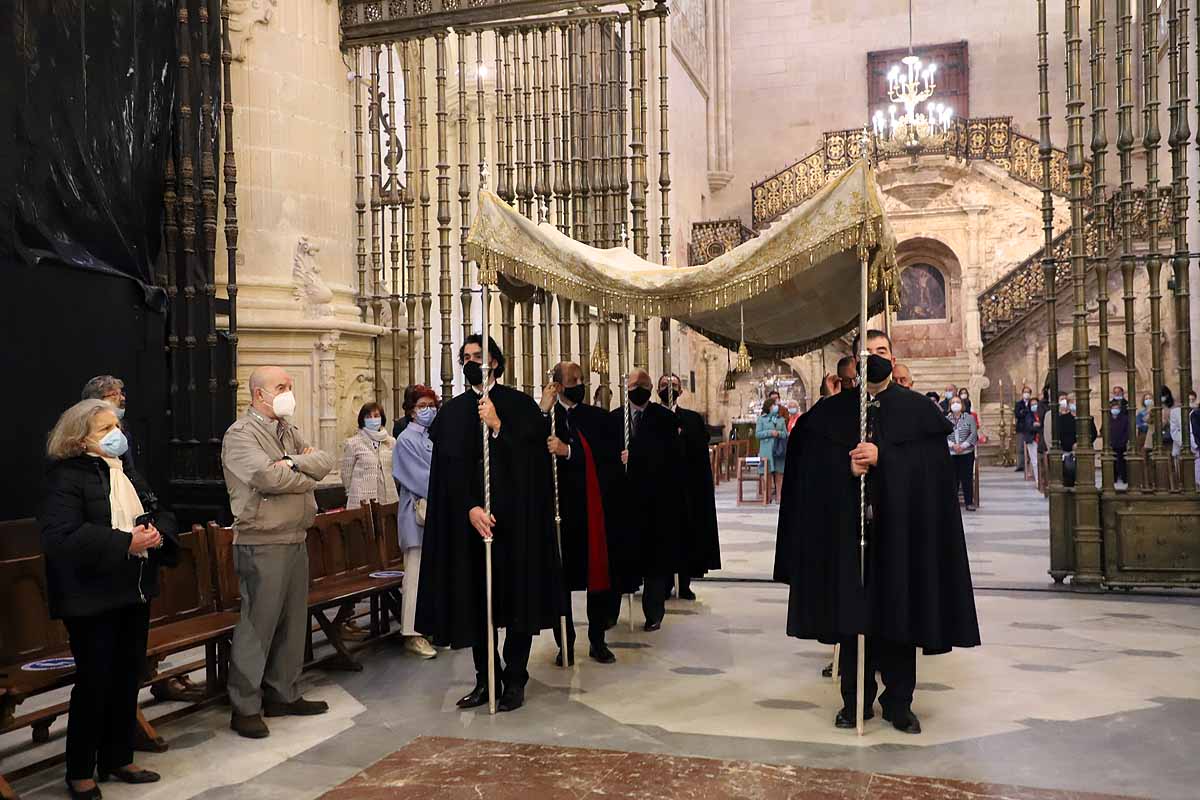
{"x":903,"y":720}
{"x":478,"y":696}
{"x":92,"y":793}
{"x":650,"y":627}
{"x":296,"y":708}
{"x":971,"y":507}
{"x":601,"y":653}
{"x":558,"y":659}
{"x":512,"y":699}
{"x":129,"y":776}
{"x":845,"y":718}
{"x":250,"y":727}
{"x":687,"y":594}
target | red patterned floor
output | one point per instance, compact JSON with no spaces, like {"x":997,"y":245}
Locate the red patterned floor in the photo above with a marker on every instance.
{"x":435,"y":768}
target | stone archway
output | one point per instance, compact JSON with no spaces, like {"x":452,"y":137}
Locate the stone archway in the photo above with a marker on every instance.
{"x":930,"y":321}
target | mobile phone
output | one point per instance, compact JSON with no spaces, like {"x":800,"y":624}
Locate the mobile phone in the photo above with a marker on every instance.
{"x":144,"y":519}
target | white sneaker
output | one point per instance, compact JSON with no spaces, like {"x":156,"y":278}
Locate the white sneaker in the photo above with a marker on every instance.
{"x":420,"y":646}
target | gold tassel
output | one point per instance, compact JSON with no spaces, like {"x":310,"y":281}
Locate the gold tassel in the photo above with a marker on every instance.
{"x":599,"y":359}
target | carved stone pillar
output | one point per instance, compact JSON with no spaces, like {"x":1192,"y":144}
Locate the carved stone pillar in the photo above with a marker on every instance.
{"x":972,"y":333}
{"x":720,"y":116}
{"x":326,"y":389}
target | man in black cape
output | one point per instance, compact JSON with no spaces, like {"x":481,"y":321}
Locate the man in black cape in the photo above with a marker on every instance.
{"x":588,"y":456}
{"x":917,"y":590}
{"x":647,"y":501}
{"x":526,"y":576}
{"x":701,"y":547}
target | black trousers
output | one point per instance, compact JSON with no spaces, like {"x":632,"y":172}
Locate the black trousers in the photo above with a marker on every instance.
{"x":964,"y":474}
{"x":1120,"y":467}
{"x":110,"y":654}
{"x":654,"y":596}
{"x":514,"y":669}
{"x":602,"y":607}
{"x":897,"y":665}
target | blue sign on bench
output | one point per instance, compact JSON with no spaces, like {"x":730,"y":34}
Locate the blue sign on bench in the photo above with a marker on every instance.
{"x":49,"y":664}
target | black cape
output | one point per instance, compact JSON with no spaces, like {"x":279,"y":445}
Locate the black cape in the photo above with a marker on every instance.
{"x":593,"y":424}
{"x":701,"y":545}
{"x":526,"y":576}
{"x":647,"y":500}
{"x":918,"y":583}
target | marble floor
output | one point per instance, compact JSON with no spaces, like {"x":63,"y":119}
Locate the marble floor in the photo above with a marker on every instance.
{"x":1090,"y":693}
{"x":464,"y":768}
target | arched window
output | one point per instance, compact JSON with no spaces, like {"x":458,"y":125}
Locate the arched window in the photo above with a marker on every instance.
{"x":922,"y":293}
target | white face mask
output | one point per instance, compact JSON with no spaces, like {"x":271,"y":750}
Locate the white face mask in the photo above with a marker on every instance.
{"x":1062,"y":404}
{"x":1026,"y":396}
{"x":284,"y":404}
{"x":956,"y":406}
{"x":1072,"y":408}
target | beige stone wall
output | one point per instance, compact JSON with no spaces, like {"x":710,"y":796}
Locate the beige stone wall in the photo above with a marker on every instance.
{"x":296,"y":266}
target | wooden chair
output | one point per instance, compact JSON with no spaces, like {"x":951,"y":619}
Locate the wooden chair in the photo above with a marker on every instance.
{"x":748,"y":471}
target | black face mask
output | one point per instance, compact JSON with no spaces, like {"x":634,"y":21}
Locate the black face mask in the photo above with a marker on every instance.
{"x":639,"y":395}
{"x":878,"y":368}
{"x":573,"y":393}
{"x":667,"y":395}
{"x":473,"y":372}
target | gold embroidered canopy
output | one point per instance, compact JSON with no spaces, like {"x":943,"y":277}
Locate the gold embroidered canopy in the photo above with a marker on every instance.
{"x":797,"y":283}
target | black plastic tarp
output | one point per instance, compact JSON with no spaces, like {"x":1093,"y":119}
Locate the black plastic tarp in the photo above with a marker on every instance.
{"x":90,"y":97}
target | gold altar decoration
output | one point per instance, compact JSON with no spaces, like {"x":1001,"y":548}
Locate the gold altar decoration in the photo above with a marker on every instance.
{"x":797,"y":281}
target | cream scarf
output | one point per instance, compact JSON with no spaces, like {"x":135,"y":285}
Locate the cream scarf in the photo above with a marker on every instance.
{"x":122,"y":497}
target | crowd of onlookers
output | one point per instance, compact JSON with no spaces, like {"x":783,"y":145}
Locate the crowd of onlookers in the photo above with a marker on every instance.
{"x":1127,"y":435}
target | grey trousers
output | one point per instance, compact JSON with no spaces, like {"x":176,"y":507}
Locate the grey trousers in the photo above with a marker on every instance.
{"x":268,"y":642}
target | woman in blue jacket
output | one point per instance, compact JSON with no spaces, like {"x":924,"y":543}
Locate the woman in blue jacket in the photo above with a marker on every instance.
{"x":772,"y":445}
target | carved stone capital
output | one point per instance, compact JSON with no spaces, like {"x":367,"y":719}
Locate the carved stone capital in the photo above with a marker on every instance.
{"x":244,"y":17}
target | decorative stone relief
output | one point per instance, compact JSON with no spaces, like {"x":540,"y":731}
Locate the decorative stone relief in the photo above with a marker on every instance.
{"x":315,"y":296}
{"x":244,"y":16}
{"x":325,"y":350}
{"x":689,"y":36}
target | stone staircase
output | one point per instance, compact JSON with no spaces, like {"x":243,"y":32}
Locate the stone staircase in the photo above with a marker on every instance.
{"x":935,"y":374}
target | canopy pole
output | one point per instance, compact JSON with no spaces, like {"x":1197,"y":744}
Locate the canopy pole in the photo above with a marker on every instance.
{"x":864,"y":311}
{"x":487,"y":493}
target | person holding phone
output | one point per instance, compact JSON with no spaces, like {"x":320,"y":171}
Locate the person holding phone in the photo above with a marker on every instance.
{"x":103,"y":541}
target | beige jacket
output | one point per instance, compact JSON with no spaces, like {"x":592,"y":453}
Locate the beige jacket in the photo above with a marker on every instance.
{"x":367,"y":470}
{"x":271,"y":504}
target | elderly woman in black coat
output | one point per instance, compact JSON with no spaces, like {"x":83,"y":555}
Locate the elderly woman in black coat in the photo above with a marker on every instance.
{"x":104,"y":542}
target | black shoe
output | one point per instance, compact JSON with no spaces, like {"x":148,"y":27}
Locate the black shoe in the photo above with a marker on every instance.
{"x":601,"y":653}
{"x":687,"y":594}
{"x":296,"y":708}
{"x":479,"y":695}
{"x":83,"y":794}
{"x":1019,"y":469}
{"x":650,"y":627}
{"x":129,"y":776}
{"x":249,"y":727}
{"x":570,"y":659}
{"x":512,"y":699}
{"x":904,"y":720}
{"x":828,"y":671}
{"x":845,"y":718}
{"x":971,"y":507}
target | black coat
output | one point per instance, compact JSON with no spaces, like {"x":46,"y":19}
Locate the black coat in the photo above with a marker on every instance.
{"x":88,"y":566}
{"x":918,"y":583}
{"x":647,"y":501}
{"x":526,"y":575}
{"x":1067,"y":426}
{"x":701,"y":543}
{"x":1118,"y":431}
{"x":593,"y":425}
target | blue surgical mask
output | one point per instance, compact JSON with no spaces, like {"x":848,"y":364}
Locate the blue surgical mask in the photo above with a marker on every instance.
{"x":425,"y":416}
{"x":1147,"y":402}
{"x":114,"y":444}
{"x":1116,"y":412}
{"x":373,"y":423}
{"x":120,"y":412}
{"x":1073,"y":408}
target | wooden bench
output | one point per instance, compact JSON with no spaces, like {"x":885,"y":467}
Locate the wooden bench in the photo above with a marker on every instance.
{"x":183,"y":617}
{"x":343,"y":552}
